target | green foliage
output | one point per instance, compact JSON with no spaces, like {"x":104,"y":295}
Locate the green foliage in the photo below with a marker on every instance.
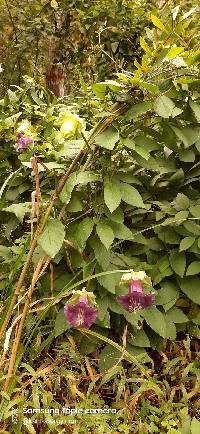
{"x":160,"y":403}
{"x":132,"y":201}
{"x":52,"y":237}
{"x":139,"y":185}
{"x":88,"y":38}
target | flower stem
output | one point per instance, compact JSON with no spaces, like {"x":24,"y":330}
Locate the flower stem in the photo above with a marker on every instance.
{"x":118,"y":347}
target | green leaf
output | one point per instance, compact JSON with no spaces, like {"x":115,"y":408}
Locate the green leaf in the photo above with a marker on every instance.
{"x":140,"y":339}
{"x":114,"y":46}
{"x":156,"y":21}
{"x":181,"y":202}
{"x":105,"y":234}
{"x":52,"y":237}
{"x":195,"y":426}
{"x":66,"y":192}
{"x":195,"y":211}
{"x":99,"y":90}
{"x":61,"y":324}
{"x":75,"y":204}
{"x":19,"y":209}
{"x":176,"y":315}
{"x":181,"y":216}
{"x":132,"y":318}
{"x":109,"y":356}
{"x":137,"y":110}
{"x":167,"y":295}
{"x":186,"y":243}
{"x":144,"y":153}
{"x":196,"y":109}
{"x":180,"y":135}
{"x":12,"y":96}
{"x":171,"y":330}
{"x":116,"y":216}
{"x":102,"y":304}
{"x":187,"y":155}
{"x":11,"y":120}
{"x":108,"y":138}
{"x":112,"y":195}
{"x":115,"y":307}
{"x":146,"y":143}
{"x":5,"y":253}
{"x":101,"y":253}
{"x":192,"y":227}
{"x":145,"y":46}
{"x":88,"y":345}
{"x":82,"y":231}
{"x":190,"y":287}
{"x":174,"y":51}
{"x":131,"y":196}
{"x":156,"y":320}
{"x":105,"y":323}
{"x":110,"y":281}
{"x":150,"y":87}
{"x":164,"y":106}
{"x":138,"y":352}
{"x":87,"y":176}
{"x":176,"y":111}
{"x":197,"y":144}
{"x":178,"y":262}
{"x":194,"y":268}
{"x":129,"y":143}
{"x":189,"y":135}
{"x":121,"y":231}
{"x":76,"y":179}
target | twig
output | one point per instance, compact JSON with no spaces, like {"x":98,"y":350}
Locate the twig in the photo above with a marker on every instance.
{"x":118,"y":347}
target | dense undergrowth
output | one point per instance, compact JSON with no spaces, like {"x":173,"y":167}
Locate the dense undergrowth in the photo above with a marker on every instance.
{"x":69,"y":387}
{"x":92,"y":188}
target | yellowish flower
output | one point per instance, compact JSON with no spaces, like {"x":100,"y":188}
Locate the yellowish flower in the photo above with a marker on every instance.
{"x":69,"y":124}
{"x":135,"y":275}
{"x":24,"y":126}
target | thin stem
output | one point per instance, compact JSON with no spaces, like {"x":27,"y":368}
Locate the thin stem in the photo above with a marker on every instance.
{"x":118,"y":347}
{"x":20,"y":326}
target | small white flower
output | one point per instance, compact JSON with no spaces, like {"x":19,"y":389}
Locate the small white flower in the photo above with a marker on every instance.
{"x":135,"y":275}
{"x":139,"y":275}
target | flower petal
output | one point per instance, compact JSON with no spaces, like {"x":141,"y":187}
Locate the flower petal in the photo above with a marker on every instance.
{"x":135,"y":286}
{"x":80,"y":314}
{"x":149,"y":299}
{"x":136,"y":301}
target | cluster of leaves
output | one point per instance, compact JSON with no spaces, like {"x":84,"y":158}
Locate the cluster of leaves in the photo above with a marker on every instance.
{"x":133,"y":203}
{"x":141,"y":192}
{"x":94,"y":38}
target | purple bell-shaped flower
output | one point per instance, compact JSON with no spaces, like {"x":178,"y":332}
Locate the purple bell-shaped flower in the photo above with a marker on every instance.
{"x":80,"y":311}
{"x":136,"y":299}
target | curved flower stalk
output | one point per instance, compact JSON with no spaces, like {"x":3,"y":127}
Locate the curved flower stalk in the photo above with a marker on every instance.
{"x":136,"y":299}
{"x":81,"y":310}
